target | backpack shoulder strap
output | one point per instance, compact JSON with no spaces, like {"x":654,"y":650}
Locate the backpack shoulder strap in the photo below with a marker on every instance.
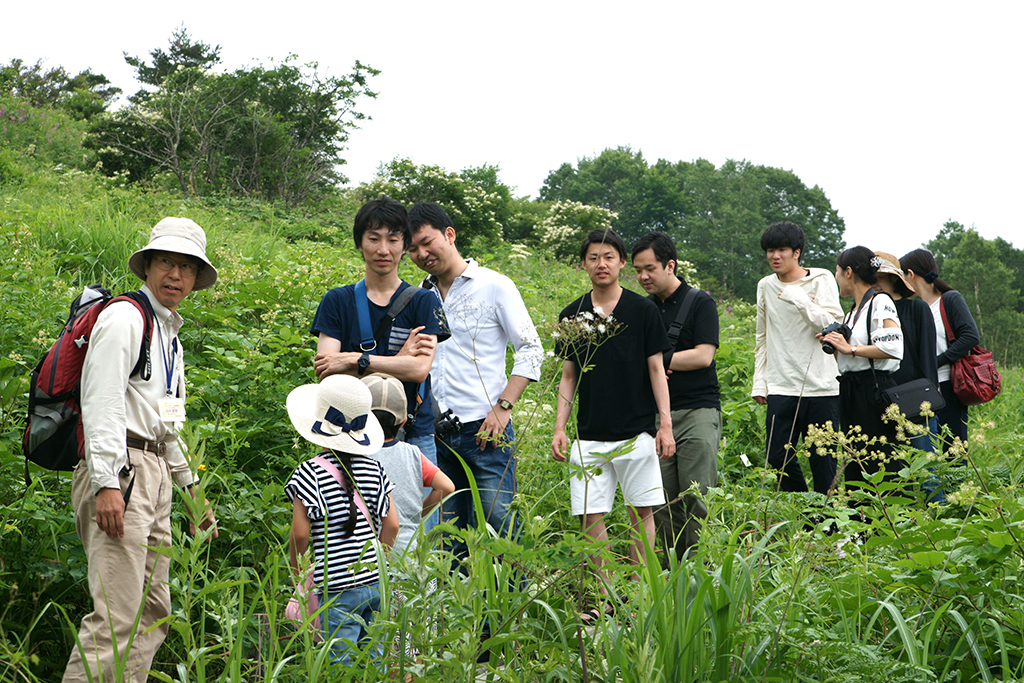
{"x":684,"y":309}
{"x":144,"y":366}
{"x":397,"y":306}
{"x":329,"y":467}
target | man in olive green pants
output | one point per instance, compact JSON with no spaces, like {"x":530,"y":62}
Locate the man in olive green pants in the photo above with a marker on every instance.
{"x":693,"y":389}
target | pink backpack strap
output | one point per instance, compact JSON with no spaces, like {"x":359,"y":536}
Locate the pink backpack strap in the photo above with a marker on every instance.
{"x":336,"y":473}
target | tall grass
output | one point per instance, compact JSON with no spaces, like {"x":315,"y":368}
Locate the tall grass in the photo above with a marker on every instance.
{"x":911,"y":594}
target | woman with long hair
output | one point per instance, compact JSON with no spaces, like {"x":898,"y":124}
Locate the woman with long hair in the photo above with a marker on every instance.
{"x":918,"y":329}
{"x":866,"y":356}
{"x":922,"y":273}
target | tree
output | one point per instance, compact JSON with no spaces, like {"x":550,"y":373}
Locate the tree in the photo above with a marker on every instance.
{"x":716,"y":215}
{"x":182,"y":53}
{"x":621,"y":181}
{"x":976,"y":269}
{"x":83,"y":96}
{"x":478,"y":203}
{"x":275,"y":132}
{"x":562,"y":231}
{"x":943,"y":244}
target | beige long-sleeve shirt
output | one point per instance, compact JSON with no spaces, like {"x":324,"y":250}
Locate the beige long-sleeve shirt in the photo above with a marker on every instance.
{"x":116,"y":406}
{"x":788,"y":360}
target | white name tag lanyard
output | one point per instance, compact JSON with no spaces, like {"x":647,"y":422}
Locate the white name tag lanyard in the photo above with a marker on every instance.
{"x":172,"y":408}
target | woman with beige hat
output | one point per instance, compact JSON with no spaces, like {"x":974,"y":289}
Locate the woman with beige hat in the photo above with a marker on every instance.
{"x":918,"y":347}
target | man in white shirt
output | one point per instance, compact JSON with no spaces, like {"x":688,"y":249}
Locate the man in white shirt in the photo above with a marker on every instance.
{"x":792,"y":376}
{"x":121,"y":491}
{"x":484,"y":313}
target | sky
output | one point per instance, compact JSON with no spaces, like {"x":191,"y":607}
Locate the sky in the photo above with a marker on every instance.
{"x":907,"y":114}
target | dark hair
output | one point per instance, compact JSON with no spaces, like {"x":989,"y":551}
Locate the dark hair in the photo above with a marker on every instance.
{"x":661,"y":244}
{"x":423,"y":213}
{"x":859,"y":259}
{"x":387,"y":423}
{"x":784,"y":234}
{"x":345,"y":459}
{"x":898,"y":286}
{"x":603,"y":236}
{"x":923,"y":264}
{"x":382,"y":213}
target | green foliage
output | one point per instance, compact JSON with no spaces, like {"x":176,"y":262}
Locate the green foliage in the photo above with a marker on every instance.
{"x":82,"y":96}
{"x":567,"y":223}
{"x":477,"y":202}
{"x":48,"y":135}
{"x":182,"y":53}
{"x":272,"y":132}
{"x":983,"y":271}
{"x":715,"y":215}
{"x":621,"y":181}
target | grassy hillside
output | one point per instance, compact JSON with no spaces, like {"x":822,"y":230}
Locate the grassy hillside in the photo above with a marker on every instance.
{"x":907,"y":594}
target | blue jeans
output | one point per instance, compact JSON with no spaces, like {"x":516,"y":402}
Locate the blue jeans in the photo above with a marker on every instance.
{"x":347,"y":615}
{"x":493,"y":469}
{"x":428,"y":447}
{"x":926,"y":443}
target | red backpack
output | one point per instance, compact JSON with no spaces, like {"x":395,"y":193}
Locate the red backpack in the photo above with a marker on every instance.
{"x":53,"y":436}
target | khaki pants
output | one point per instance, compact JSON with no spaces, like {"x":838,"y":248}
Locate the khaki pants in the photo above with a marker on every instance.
{"x":697,"y":432}
{"x":119,"y":571}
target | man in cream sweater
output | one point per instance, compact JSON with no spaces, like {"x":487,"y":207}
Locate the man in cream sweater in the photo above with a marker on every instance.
{"x":792,"y":376}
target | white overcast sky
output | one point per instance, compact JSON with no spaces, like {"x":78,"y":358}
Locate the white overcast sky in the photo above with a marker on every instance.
{"x":906,"y":113}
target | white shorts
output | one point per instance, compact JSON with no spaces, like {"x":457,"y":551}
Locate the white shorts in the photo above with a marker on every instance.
{"x":597,"y":467}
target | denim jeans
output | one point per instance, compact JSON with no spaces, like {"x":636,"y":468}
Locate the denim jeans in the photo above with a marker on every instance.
{"x":428,"y":447}
{"x":348,"y":613}
{"x":926,"y":442}
{"x":493,"y":469}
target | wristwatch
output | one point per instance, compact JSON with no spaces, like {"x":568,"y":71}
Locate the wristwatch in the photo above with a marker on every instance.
{"x":363,"y":363}
{"x":505,"y":403}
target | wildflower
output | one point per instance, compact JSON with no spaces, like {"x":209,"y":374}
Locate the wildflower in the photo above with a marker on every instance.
{"x":602,"y":328}
{"x":598,"y":311}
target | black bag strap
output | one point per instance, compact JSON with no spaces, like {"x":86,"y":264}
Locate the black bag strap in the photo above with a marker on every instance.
{"x":396,"y":308}
{"x":684,"y":309}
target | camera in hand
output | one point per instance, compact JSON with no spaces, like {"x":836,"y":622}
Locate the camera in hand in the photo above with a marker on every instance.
{"x":446,"y":425}
{"x":841,"y":328}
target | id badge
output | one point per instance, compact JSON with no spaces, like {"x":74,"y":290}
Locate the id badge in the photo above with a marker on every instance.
{"x":172,"y":410}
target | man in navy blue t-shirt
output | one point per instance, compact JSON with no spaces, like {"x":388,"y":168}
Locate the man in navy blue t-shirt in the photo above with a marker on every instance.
{"x":382,"y":234}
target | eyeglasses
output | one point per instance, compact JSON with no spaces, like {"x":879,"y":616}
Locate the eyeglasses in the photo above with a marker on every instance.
{"x":167,"y":264}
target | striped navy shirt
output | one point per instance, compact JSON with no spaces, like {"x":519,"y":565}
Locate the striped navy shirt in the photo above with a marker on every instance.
{"x":327,"y":505}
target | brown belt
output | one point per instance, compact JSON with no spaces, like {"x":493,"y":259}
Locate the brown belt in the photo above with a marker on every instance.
{"x":155,"y":447}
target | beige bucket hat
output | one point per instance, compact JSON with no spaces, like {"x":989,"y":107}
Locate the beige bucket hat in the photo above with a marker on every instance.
{"x":180,"y":236}
{"x":336,"y":414}
{"x":891,"y":266}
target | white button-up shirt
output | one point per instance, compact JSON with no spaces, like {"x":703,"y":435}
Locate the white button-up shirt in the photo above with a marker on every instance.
{"x":485,"y":312}
{"x":116,"y":406}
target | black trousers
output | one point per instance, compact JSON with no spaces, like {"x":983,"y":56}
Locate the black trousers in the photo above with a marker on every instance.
{"x":787,"y":420}
{"x":861,"y":403}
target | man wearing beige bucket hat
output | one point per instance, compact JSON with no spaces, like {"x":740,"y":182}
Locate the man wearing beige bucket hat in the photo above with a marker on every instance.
{"x":121,"y":491}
